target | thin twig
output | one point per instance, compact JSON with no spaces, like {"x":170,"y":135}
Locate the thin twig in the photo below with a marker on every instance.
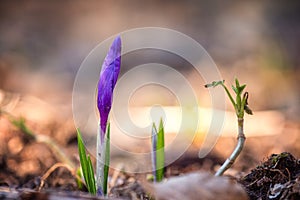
{"x":53,"y":168}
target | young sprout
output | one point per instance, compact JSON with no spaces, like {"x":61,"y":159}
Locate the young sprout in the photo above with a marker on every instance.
{"x":158,"y":153}
{"x":106,"y":84}
{"x":240,"y":105}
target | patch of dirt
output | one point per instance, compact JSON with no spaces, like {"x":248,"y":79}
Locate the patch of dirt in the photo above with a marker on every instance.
{"x":131,"y":189}
{"x":277,"y":178}
{"x":130,"y":186}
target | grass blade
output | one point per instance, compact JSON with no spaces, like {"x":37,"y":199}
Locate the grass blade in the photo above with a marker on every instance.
{"x":86,"y":165}
{"x":160,"y":153}
{"x":20,"y":123}
{"x":82,"y":157}
{"x":91,"y":176}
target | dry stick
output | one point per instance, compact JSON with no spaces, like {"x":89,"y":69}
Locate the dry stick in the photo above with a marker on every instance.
{"x":241,"y":140}
{"x":53,"y":168}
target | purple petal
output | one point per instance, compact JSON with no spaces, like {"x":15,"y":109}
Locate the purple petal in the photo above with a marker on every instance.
{"x":108,"y":79}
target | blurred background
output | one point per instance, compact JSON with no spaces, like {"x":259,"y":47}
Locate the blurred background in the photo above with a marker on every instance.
{"x":43,"y":43}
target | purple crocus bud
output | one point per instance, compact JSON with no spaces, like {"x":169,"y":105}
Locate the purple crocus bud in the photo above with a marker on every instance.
{"x":108,"y":78}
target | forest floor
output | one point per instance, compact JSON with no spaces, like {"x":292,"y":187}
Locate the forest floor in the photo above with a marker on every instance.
{"x":30,"y":169}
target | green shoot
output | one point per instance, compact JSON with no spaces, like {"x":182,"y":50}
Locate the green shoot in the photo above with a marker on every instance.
{"x":79,"y":181}
{"x":86,"y":166}
{"x":20,"y":124}
{"x":158,"y":153}
{"x":240,"y":105}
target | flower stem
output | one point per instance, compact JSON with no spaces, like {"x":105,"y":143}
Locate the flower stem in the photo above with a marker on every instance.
{"x":100,"y":164}
{"x":103,"y":153}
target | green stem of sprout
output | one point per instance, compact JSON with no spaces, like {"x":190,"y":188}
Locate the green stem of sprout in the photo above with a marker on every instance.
{"x":236,"y":152}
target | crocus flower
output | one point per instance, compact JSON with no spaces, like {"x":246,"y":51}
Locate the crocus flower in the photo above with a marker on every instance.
{"x":108,"y":78}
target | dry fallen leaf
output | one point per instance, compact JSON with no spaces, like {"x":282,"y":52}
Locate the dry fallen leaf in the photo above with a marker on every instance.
{"x":201,"y":186}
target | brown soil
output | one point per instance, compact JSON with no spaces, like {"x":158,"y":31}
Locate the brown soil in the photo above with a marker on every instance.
{"x":277,"y":178}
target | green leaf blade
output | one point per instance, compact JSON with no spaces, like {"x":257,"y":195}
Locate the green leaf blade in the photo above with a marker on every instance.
{"x":214,"y":84}
{"x":91,"y":177}
{"x":86,"y":165}
{"x":237,"y":83}
{"x":242,"y":88}
{"x":160,"y":153}
{"x":235,"y":89}
{"x":82,"y":155}
{"x":21,"y":124}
